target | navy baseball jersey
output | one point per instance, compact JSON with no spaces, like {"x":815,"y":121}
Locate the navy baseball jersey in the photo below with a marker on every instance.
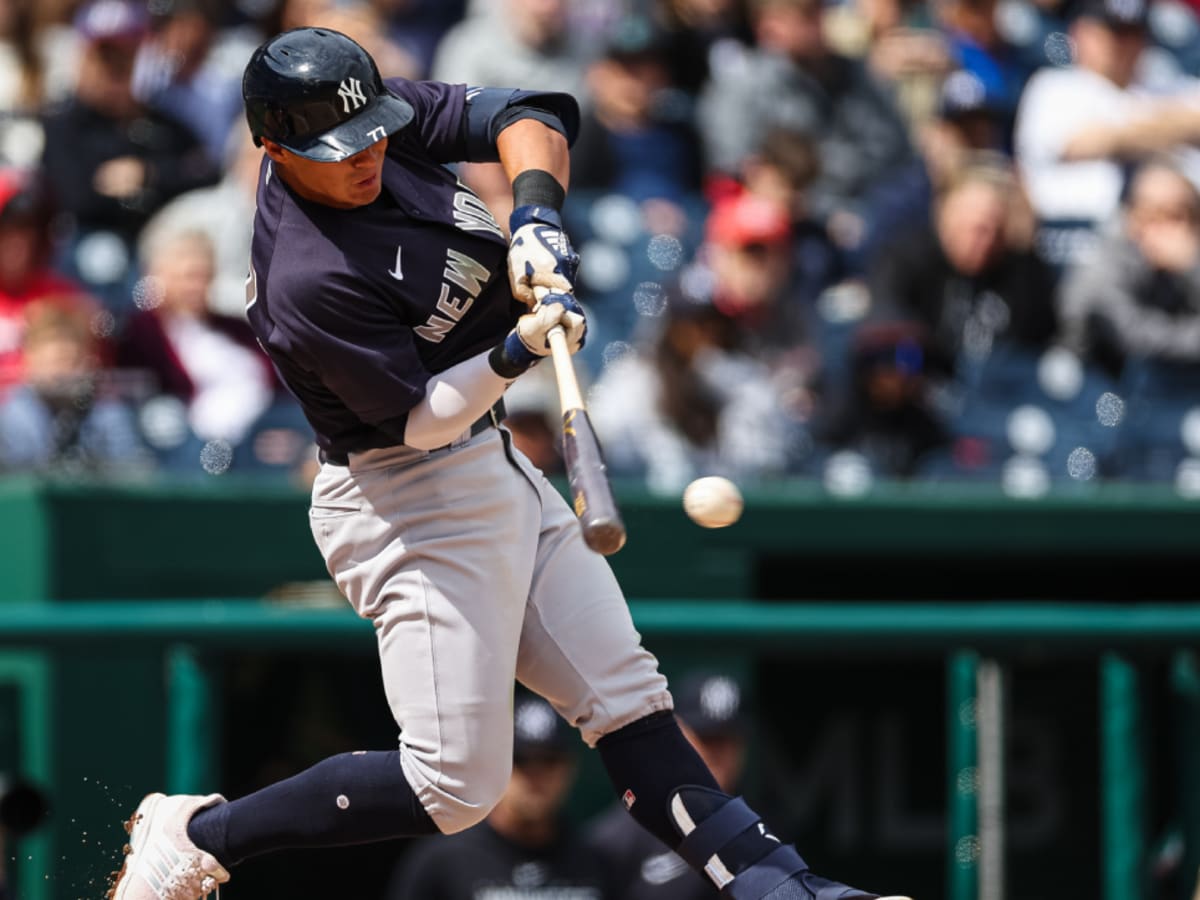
{"x":358,"y":307}
{"x":644,"y":868}
{"x":481,"y":864}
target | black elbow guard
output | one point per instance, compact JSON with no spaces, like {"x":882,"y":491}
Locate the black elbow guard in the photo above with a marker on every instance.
{"x":491,"y":110}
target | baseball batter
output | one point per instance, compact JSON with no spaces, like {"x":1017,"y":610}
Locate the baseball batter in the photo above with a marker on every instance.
{"x":398,"y":313}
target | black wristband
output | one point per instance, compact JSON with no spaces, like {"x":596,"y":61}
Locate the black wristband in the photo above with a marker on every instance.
{"x":503,"y":364}
{"x":538,"y":187}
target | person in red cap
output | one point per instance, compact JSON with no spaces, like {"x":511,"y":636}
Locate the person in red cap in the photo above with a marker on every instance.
{"x":699,"y":396}
{"x":749,"y":252}
{"x":747,"y":241}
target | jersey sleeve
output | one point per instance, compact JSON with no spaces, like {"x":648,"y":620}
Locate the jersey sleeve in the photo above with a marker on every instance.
{"x":440,"y":112}
{"x":456,"y":123}
{"x":358,"y":347}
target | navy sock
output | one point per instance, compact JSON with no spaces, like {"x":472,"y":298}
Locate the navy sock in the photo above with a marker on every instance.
{"x":352,"y":798}
{"x":647,"y":761}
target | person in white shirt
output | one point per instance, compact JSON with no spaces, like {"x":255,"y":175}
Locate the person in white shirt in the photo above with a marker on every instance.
{"x":209,"y":361}
{"x":1079,"y":124}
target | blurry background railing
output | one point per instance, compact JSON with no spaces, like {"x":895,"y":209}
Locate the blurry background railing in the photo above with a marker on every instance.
{"x":976,"y":641}
{"x":957,"y":688}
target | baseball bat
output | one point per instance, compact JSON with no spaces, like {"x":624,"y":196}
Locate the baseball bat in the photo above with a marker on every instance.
{"x":591,"y":493}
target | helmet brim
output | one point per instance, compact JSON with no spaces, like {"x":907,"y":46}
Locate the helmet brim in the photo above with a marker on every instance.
{"x":386,"y":115}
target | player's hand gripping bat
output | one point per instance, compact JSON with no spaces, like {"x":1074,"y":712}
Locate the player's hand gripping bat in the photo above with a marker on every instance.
{"x":591,"y":493}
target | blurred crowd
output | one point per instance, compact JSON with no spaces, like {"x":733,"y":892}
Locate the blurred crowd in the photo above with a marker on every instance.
{"x":843,"y":240}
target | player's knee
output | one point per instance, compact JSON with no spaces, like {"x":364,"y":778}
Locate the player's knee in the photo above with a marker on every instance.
{"x":472,"y":796}
{"x":456,"y":814}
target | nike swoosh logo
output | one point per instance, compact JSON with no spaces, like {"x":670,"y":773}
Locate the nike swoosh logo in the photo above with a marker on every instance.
{"x":397,"y":273}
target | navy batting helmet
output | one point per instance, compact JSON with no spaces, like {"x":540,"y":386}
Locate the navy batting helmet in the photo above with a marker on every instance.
{"x":319,"y":94}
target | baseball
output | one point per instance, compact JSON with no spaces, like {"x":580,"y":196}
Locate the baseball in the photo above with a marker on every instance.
{"x":712,"y":501}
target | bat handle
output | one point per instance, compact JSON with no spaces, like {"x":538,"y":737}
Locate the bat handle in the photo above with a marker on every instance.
{"x":564,"y":370}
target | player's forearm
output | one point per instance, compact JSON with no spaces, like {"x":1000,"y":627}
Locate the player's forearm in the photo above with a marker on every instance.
{"x":453,"y":400}
{"x":458,"y":396}
{"x":528,"y":144}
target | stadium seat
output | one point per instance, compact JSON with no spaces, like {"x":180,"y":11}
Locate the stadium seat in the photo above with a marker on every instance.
{"x":1163,"y":400}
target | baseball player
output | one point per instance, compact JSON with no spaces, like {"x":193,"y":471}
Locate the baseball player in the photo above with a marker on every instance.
{"x":397,"y":312}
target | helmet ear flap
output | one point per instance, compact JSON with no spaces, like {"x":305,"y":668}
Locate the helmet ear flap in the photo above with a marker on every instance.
{"x":274,"y":122}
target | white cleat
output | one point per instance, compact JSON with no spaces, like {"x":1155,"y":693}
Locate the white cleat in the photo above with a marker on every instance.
{"x":161,"y":862}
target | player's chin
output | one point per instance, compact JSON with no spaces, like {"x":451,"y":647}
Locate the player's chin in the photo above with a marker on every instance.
{"x":365,"y":190}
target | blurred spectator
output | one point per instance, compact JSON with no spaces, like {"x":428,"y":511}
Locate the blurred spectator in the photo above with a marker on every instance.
{"x":782,"y":172}
{"x":224,"y":212}
{"x":968,"y":277}
{"x":417,"y":26}
{"x":191,"y":71}
{"x":208,"y":361}
{"x":965,"y":124}
{"x":632,"y":139}
{"x":26,"y":277}
{"x":795,"y":81}
{"x":524,"y":848}
{"x":692,"y":402}
{"x":284,"y":15}
{"x":709,"y":707}
{"x":519,"y":44}
{"x":1140,"y":296}
{"x":1038,"y":29}
{"x":362,"y":22}
{"x":58,"y":419}
{"x":702,"y":36}
{"x":888,"y":413}
{"x":820,"y":272}
{"x":751,"y":277}
{"x":21,"y":64}
{"x":899,"y":42}
{"x":977,"y":46}
{"x":22,"y":83}
{"x":1077,"y":125}
{"x":636,"y":208}
{"x":113,"y":162}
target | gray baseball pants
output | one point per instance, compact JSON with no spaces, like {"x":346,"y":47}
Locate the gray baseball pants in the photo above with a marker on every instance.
{"x":473,"y":570}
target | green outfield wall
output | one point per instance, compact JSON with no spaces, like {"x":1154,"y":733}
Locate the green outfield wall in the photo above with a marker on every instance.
{"x":859,"y":624}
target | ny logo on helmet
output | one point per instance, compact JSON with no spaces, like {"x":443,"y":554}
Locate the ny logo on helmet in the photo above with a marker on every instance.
{"x":351,"y":92}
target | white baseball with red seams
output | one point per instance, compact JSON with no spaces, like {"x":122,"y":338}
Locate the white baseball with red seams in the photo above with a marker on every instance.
{"x":713,"y":501}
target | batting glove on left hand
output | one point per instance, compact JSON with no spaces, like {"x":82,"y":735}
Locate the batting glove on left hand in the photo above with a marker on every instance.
{"x":553,"y":309}
{"x":539,"y":253}
{"x":529,"y":341}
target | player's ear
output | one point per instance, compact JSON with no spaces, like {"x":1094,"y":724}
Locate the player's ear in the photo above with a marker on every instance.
{"x":273,"y":150}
